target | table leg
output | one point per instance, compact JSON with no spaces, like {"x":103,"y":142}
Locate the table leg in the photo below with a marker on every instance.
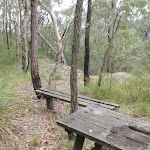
{"x":79,"y":143}
{"x":49,"y":102}
{"x":70,"y":134}
{"x":97,"y":147}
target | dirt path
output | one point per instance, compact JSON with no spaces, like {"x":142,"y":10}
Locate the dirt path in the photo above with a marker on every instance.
{"x":36,"y":126}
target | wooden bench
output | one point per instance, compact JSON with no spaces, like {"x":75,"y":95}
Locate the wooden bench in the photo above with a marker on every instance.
{"x":51,"y":93}
{"x":107,"y":128}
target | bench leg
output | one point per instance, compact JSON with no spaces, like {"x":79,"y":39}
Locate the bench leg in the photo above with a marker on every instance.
{"x":97,"y":147}
{"x":49,"y":102}
{"x":78,"y":143}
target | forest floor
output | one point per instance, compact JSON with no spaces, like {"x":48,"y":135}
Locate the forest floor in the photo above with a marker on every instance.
{"x":35,"y":126}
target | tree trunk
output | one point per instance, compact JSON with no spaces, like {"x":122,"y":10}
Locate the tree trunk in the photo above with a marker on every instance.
{"x":87,"y":44}
{"x":17,"y":59}
{"x":108,"y":60}
{"x":10,"y":30}
{"x":18,"y":20}
{"x":3,"y":32}
{"x":75,"y":53}
{"x":7,"y":26}
{"x":111,"y":32}
{"x":24,"y":38}
{"x":104,"y":63}
{"x":34,"y":46}
{"x":66,"y":35}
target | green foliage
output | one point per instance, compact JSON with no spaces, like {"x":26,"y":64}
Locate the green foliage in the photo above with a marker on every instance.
{"x":141,"y":109}
{"x":7,"y":56}
{"x":64,"y":143}
{"x":130,"y":91}
{"x":9,"y":102}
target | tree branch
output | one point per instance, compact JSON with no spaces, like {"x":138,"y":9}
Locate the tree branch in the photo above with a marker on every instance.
{"x":54,"y":21}
{"x":114,"y":23}
{"x":118,"y":24}
{"x":43,"y":38}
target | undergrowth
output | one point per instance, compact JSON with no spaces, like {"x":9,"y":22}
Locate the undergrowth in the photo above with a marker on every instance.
{"x":133,"y":91}
{"x":9,"y":101}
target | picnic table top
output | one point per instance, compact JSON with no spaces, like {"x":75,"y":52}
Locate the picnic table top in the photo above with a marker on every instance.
{"x":109,"y":128}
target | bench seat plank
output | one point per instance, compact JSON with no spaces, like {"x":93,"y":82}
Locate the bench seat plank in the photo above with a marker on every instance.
{"x":79,"y":96}
{"x":105,"y":127}
{"x":82,"y":102}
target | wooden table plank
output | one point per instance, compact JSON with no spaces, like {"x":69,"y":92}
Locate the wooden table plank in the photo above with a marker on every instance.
{"x":97,"y":116}
{"x":108,"y":129}
{"x":124,"y":118}
{"x":98,"y":134}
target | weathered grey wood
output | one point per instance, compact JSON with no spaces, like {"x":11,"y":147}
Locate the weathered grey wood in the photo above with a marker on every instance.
{"x":103,"y":117}
{"x":132,"y":122}
{"x":49,"y":103}
{"x":53,"y":95}
{"x":106,"y":128}
{"x":82,"y":102}
{"x":87,"y":130}
{"x":131,"y":134}
{"x":97,"y":147}
{"x":78,"y":143}
{"x":82,"y":97}
{"x":99,"y":118}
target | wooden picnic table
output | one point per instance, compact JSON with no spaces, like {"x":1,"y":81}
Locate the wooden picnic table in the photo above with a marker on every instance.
{"x":107,"y":128}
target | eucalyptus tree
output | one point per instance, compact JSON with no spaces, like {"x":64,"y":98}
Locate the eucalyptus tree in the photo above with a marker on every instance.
{"x":75,"y":55}
{"x":59,"y":39}
{"x":17,"y":27}
{"x":143,"y":20}
{"x":34,"y":46}
{"x":117,"y":17}
{"x":87,"y":43}
{"x":111,"y":26}
{"x":133,"y":28}
{"x":3,"y":20}
{"x":7,"y":36}
{"x":10,"y":20}
{"x":18,"y":22}
{"x":24,"y":32}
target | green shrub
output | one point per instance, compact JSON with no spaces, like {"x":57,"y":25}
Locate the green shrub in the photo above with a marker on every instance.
{"x":134,"y":91}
